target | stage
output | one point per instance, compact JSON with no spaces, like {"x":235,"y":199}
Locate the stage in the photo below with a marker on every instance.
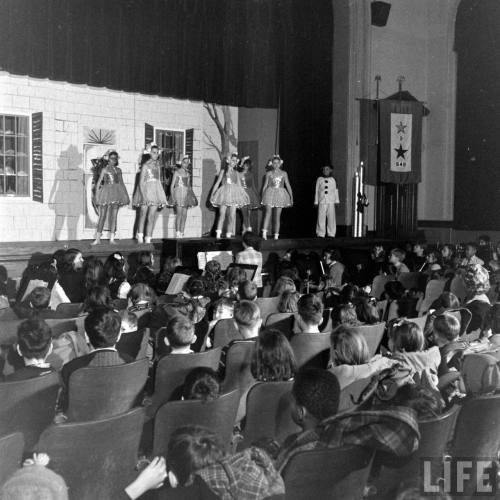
{"x":15,"y":256}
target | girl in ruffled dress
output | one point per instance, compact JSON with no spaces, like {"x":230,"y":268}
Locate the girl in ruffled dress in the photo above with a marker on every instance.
{"x":182,"y":196}
{"x":247,"y":183}
{"x":228,"y":196}
{"x":276,"y":195}
{"x":149,"y":196}
{"x":110,"y":195}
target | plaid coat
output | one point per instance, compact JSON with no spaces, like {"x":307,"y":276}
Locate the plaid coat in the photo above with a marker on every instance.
{"x":394,"y":431}
{"x":248,"y":475}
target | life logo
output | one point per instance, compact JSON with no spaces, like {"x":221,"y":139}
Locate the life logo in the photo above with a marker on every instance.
{"x":459,"y":477}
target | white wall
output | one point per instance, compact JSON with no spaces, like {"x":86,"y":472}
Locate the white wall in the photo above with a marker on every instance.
{"x":67,"y":110}
{"x":418,"y":44}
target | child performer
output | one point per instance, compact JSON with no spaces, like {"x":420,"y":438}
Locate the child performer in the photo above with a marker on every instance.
{"x":325,"y":199}
{"x":110,"y":195}
{"x":149,"y":196}
{"x":247,"y":182}
{"x":228,"y":194}
{"x":276,"y":195}
{"x":182,"y":196}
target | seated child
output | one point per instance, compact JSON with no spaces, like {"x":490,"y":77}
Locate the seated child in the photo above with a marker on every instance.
{"x":350,"y":357}
{"x":201,"y":383}
{"x":407,"y":343}
{"x":396,"y":258}
{"x":129,"y":322}
{"x":34,"y":345}
{"x":130,"y":338}
{"x":177,"y":337}
{"x":102,"y":327}
{"x":196,"y":460}
{"x":35,"y":480}
{"x":37,"y":303}
{"x":309,"y":314}
{"x":247,"y":290}
{"x":445,"y":333}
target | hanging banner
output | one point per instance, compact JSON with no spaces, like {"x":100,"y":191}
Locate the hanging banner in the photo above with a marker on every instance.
{"x":400,"y":141}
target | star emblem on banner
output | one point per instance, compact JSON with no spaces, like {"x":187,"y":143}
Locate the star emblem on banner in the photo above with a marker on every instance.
{"x":401,"y":128}
{"x":401,"y":152}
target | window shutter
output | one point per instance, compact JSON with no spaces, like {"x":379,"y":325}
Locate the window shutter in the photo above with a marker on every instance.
{"x":189,"y":143}
{"x":37,"y":156}
{"x":149,"y":134}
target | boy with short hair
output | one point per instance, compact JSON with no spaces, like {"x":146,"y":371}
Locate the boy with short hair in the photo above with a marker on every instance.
{"x":248,"y":319}
{"x":102,"y":327}
{"x":34,"y":345}
{"x":178,"y":335}
{"x":396,"y":258}
{"x":470,"y":255}
{"x":446,"y":331}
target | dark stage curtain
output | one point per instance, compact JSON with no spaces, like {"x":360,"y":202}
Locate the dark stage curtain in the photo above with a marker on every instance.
{"x":477,"y":152}
{"x":212,"y":50}
{"x":305,"y":105}
{"x":254,"y":53}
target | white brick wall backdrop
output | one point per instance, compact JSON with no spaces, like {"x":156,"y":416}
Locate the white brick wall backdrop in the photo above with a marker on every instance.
{"x":67,"y":109}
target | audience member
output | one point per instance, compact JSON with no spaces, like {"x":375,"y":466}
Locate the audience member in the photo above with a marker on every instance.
{"x":251,"y":255}
{"x":247,"y":290}
{"x":201,"y":383}
{"x":247,"y":318}
{"x":71,"y":276}
{"x":283,"y":284}
{"x":366,"y":310}
{"x":98,"y":296}
{"x":334,"y":270}
{"x":345,"y":314}
{"x":477,"y":284}
{"x":142,"y":300}
{"x":288,"y":302}
{"x":316,"y":395}
{"x":350,"y":357}
{"x":36,"y":304}
{"x":102,"y":327}
{"x":164,"y":278}
{"x":418,"y":257}
{"x":115,"y":271}
{"x":273,"y":359}
{"x":445,"y":334}
{"x":447,"y":256}
{"x":407,"y":343}
{"x":471,"y":259}
{"x":177,"y":337}
{"x":145,"y":272}
{"x":196,"y":459}
{"x":93,"y":273}
{"x":34,"y":481}
{"x":396,"y":258}
{"x":309,"y":314}
{"x":34,"y":345}
{"x":214,"y":281}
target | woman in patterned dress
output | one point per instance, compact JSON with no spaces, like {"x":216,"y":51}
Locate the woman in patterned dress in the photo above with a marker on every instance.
{"x":276,"y":195}
{"x":111,"y":194}
{"x":228,"y":194}
{"x":149,"y":196}
{"x":247,"y":183}
{"x":182,"y":196}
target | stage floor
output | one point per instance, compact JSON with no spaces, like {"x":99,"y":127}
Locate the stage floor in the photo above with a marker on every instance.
{"x":15,"y":256}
